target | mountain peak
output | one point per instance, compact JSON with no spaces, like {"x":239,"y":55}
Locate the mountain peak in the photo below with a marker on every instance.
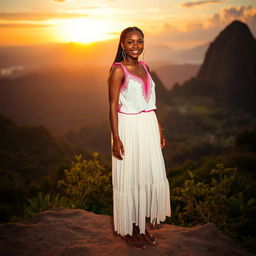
{"x":230,"y":65}
{"x":237,"y":24}
{"x":236,"y":30}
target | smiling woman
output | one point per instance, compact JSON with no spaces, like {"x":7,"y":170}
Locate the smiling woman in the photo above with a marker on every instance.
{"x":139,"y":181}
{"x":86,"y":30}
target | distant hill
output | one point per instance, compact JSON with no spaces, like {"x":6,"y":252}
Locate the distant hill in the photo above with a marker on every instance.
{"x":230,"y":65}
{"x":172,"y":74}
{"x":60,"y":99}
{"x":17,"y":61}
{"x":228,"y":73}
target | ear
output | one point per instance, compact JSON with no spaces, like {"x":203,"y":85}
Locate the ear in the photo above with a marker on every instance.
{"x":122,"y":45}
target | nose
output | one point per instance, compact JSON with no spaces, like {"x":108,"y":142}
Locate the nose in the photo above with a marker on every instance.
{"x":135,"y":45}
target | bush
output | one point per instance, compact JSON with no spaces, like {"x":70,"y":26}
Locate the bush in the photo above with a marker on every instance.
{"x":220,"y":201}
{"x":41,"y":202}
{"x":87,"y":184}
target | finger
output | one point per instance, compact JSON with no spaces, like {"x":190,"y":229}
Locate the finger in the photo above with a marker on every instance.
{"x":118,"y":155}
{"x":122,"y":150}
{"x":114,"y":152}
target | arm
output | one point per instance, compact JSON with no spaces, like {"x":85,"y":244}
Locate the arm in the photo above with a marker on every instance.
{"x":114,"y":82}
{"x":159,"y":125}
{"x":163,"y":140}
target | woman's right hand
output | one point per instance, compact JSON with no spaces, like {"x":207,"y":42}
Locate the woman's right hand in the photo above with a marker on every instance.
{"x":118,"y":148}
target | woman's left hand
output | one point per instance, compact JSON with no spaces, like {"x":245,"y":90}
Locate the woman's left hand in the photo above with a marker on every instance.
{"x":162,"y":139}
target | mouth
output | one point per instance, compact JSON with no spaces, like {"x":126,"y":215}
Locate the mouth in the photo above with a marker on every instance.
{"x":135,"y":52}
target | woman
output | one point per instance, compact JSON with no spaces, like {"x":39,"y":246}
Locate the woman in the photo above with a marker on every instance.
{"x":140,"y":185}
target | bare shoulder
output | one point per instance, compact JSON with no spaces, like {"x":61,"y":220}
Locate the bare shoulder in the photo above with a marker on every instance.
{"x":116,"y":73}
{"x":116,"y":68}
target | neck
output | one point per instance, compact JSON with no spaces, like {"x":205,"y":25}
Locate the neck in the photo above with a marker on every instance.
{"x":132,"y":60}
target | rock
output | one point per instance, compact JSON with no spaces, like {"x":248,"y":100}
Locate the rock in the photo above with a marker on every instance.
{"x":75,"y":232}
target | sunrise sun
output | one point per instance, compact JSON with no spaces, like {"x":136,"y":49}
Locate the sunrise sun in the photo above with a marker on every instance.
{"x":86,"y":30}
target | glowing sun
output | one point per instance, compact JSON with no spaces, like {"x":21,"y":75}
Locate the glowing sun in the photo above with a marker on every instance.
{"x":86,"y":30}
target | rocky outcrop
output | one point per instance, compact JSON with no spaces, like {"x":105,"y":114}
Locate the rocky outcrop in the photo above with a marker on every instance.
{"x":75,"y":232}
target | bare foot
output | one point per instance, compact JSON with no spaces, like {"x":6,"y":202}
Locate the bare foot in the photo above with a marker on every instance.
{"x":154,"y":225}
{"x":151,"y":238}
{"x":148,"y":237}
{"x":134,"y":242}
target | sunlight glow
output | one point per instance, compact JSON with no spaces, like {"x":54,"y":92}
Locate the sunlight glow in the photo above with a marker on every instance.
{"x":86,"y":30}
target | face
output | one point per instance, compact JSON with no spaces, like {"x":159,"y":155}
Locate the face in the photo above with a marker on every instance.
{"x":133,"y":44}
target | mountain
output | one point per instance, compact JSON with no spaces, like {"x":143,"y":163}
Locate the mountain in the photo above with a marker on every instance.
{"x":172,"y":74}
{"x":230,"y":65}
{"x":17,"y":61}
{"x":161,"y":91}
{"x":58,"y":98}
{"x":77,"y":232}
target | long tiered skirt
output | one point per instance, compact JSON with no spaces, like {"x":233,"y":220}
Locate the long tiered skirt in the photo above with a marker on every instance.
{"x":140,"y":185}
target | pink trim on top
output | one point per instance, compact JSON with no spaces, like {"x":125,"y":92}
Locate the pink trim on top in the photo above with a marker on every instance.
{"x":146,"y":85}
{"x":137,"y":112}
{"x":147,"y":88}
{"x":119,"y":107}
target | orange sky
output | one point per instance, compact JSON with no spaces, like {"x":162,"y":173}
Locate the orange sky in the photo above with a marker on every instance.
{"x":176,"y":23}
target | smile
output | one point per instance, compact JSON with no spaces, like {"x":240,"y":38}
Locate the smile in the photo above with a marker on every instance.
{"x":135,"y":51}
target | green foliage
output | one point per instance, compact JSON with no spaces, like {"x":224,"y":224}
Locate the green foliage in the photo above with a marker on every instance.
{"x":42,"y":202}
{"x":30,"y":157}
{"x":220,"y":201}
{"x":87,"y":184}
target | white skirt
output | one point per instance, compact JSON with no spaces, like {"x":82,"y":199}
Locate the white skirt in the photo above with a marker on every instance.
{"x":140,"y":185}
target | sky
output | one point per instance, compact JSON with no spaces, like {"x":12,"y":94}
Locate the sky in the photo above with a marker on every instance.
{"x":179,"y":24}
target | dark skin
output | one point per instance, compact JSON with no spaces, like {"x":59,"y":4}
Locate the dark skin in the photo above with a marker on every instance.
{"x":133,"y":41}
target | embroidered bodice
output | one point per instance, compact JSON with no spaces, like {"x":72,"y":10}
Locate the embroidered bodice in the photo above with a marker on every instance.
{"x":136,"y":95}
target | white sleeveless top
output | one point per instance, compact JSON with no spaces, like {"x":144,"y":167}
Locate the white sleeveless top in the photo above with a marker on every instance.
{"x":136,"y":95}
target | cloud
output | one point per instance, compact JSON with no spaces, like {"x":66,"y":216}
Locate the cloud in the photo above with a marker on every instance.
{"x":59,"y":1}
{"x":192,"y":4}
{"x":194,"y":31}
{"x":33,"y":16}
{"x":227,"y":14}
{"x":206,"y":30}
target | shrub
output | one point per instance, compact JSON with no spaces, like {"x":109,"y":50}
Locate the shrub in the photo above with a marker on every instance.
{"x":87,"y":184}
{"x":41,"y":202}
{"x":220,"y":201}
